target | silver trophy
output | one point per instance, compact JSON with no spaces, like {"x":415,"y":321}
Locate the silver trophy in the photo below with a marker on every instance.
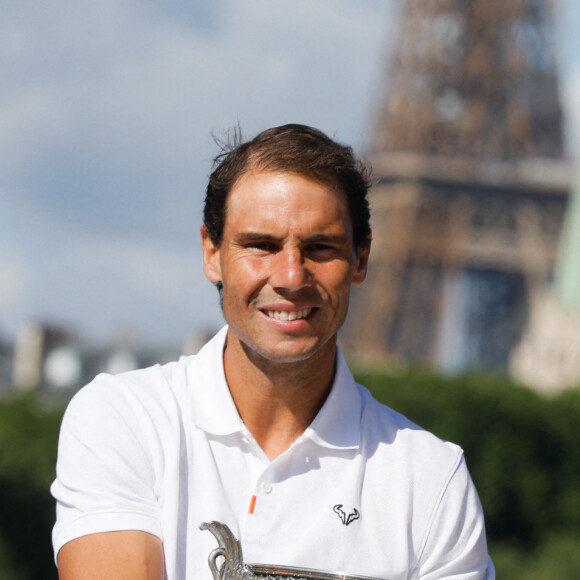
{"x":234,"y":568}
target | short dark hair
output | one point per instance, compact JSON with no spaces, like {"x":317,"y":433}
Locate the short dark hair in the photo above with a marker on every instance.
{"x":293,"y":149}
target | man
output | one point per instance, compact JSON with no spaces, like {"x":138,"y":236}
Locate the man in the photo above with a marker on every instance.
{"x":265,"y":430}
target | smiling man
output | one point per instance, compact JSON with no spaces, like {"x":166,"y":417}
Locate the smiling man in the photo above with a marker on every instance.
{"x":265,"y":429}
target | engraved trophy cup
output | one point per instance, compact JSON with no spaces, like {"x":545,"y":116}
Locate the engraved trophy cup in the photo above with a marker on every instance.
{"x":234,"y":568}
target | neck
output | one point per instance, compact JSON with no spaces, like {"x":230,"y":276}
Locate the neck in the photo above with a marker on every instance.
{"x":277,"y":401}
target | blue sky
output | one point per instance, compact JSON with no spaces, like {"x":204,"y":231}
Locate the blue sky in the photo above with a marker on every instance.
{"x":107,"y":112}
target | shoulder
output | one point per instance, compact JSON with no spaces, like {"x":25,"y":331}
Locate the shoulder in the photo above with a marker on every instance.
{"x":157,"y":396}
{"x":155,"y":382}
{"x":135,"y":397}
{"x":123,"y":428}
{"x":389,"y":434}
{"x":421,"y":473}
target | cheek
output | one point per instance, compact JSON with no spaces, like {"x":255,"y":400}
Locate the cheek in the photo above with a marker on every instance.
{"x":336,"y":283}
{"x":244,"y":273}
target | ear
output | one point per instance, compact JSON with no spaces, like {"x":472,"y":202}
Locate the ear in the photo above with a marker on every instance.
{"x":211,"y":257}
{"x":362,"y":262}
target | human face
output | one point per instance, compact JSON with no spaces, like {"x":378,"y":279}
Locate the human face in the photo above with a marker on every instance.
{"x":286,"y":262}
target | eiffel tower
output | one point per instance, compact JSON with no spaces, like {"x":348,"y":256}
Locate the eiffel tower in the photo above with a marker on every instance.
{"x":471,"y":185}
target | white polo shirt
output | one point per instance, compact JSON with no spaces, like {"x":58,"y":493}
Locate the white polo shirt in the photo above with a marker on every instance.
{"x":363,"y":491}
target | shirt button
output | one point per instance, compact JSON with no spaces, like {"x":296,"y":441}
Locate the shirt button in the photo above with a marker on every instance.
{"x":266,"y":487}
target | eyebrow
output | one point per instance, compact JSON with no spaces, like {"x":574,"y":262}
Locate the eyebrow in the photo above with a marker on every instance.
{"x":254,"y":237}
{"x":332,"y":239}
{"x":248,"y":237}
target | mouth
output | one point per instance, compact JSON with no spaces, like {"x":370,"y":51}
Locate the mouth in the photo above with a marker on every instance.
{"x":288,"y":315}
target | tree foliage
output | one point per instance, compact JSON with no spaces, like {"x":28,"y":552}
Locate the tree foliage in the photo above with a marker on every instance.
{"x":28,"y":439}
{"x":523,"y":451}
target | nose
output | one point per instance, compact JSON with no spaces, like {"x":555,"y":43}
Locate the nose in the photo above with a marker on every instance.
{"x":289,"y":270}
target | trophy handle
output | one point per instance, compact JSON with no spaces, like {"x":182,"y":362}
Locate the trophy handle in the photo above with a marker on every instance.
{"x":230,"y":549}
{"x":212,"y":561}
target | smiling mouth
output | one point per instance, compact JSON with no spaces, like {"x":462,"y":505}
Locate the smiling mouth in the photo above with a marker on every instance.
{"x":285,"y":315}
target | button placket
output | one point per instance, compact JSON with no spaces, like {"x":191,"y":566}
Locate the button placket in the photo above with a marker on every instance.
{"x":263,"y":489}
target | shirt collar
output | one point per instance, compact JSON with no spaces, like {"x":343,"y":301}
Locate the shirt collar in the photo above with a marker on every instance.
{"x":337,"y":424}
{"x":213,"y":409}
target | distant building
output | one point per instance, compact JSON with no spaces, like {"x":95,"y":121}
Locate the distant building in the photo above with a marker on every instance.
{"x":472,"y":186}
{"x":34,"y":343}
{"x":52,"y":360}
{"x":548,"y":357}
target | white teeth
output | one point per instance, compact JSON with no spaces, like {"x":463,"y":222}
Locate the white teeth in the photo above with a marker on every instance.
{"x":285,"y":315}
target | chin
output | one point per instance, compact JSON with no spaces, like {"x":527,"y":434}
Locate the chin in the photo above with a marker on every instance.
{"x":292,"y":353}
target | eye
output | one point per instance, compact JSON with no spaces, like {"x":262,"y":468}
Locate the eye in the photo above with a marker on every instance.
{"x":320,"y":251}
{"x":320,"y":248}
{"x":323,"y":250}
{"x":263,"y":246}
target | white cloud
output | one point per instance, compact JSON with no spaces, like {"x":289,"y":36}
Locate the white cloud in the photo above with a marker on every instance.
{"x":15,"y":284}
{"x":155,"y":271}
{"x":29,"y":122}
{"x":106,"y":115}
{"x":14,"y":281}
{"x":153,"y":89}
{"x":100,"y":285}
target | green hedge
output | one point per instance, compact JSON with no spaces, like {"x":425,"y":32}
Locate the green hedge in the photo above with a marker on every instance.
{"x":523,"y":451}
{"x":28,"y":439}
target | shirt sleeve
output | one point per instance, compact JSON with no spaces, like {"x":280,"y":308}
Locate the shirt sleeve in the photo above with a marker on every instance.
{"x":455,"y":546}
{"x":106,"y":467}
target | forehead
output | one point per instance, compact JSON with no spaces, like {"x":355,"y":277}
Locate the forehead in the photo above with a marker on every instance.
{"x":274,"y":198}
{"x":282,"y":188}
